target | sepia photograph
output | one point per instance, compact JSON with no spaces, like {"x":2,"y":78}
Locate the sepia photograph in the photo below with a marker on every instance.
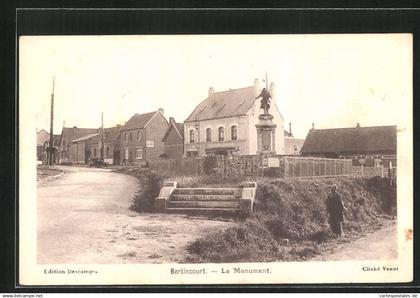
{"x":184,"y":159}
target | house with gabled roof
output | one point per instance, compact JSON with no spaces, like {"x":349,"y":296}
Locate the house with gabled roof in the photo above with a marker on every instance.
{"x":357,"y":143}
{"x":79,"y":150}
{"x":111,"y":145}
{"x":141,"y":138}
{"x":69,"y":134}
{"x":224,"y":123}
{"x":173,"y":140}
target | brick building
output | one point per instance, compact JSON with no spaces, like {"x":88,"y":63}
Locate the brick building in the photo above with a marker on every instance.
{"x":69,"y":134}
{"x":173,"y":140}
{"x":141,"y":138}
{"x":79,"y":151}
{"x":112,"y":153}
{"x":225,"y":123}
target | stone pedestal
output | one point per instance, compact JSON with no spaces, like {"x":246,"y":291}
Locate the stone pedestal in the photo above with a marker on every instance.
{"x":266,"y":131}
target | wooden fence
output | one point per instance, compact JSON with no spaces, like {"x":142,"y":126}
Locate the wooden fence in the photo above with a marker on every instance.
{"x":302,"y":167}
{"x":254,"y":166}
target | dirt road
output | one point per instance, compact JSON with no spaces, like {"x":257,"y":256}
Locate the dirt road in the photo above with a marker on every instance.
{"x":377,"y":245}
{"x":84,"y":217}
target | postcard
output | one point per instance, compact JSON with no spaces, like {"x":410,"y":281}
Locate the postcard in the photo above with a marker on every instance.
{"x":215,"y":159}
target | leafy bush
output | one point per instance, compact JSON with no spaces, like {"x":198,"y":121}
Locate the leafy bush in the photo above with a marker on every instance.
{"x":210,"y":165}
{"x":149,"y":187}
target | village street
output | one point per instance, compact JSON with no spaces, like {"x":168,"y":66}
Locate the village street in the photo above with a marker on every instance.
{"x":379,"y":244}
{"x":84,"y":217}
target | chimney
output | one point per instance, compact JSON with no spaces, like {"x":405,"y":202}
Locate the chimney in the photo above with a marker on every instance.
{"x":162,"y":111}
{"x":211,"y":91}
{"x":257,"y":87}
{"x":171,"y":120}
{"x":313,"y":125}
{"x":290,"y":129}
{"x":358,"y":124}
{"x":75,"y":127}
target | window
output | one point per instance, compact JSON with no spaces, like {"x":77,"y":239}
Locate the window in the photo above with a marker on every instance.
{"x":64,"y":143}
{"x":139,"y":153}
{"x":125,"y":153}
{"x":208,"y":135}
{"x":138,"y":135}
{"x":234,"y":133}
{"x":221,"y":134}
{"x":192,"y":136}
{"x":94,"y":152}
{"x":131,"y":136}
{"x":107,"y":151}
{"x":126,"y":137}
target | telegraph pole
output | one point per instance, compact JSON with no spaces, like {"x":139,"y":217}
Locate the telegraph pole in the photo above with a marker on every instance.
{"x":51,"y":148}
{"x":102,"y":135}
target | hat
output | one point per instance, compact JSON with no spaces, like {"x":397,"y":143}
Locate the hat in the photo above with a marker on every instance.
{"x":334,"y":186}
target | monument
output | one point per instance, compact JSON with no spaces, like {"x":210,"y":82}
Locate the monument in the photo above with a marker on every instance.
{"x":265,"y":127}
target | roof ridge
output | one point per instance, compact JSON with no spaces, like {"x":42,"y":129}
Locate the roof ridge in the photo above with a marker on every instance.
{"x":230,"y":90}
{"x":337,"y":128}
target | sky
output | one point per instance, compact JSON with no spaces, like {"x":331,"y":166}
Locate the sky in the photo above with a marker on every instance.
{"x":330,"y":80}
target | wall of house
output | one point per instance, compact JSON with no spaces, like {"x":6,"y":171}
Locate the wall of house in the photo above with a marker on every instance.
{"x":290,"y":144}
{"x":174,"y":144}
{"x":133,"y":145}
{"x":77,"y":152}
{"x":241,"y":122}
{"x":154,"y":132}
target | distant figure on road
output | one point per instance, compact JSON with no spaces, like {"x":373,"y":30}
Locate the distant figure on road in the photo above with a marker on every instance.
{"x":335,"y":209}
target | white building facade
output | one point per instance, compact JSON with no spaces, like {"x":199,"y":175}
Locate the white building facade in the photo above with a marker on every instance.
{"x":224,"y":123}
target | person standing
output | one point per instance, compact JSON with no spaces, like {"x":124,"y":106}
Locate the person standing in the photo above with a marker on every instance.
{"x":335,"y":209}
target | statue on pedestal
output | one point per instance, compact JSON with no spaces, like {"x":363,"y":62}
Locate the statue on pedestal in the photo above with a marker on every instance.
{"x":265,"y":100}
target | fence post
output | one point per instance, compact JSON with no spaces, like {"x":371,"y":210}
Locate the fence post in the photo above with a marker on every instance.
{"x":300,"y":167}
{"x":325,"y":167}
{"x":335,"y":168}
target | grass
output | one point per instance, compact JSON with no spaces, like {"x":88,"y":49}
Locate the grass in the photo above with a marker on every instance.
{"x":289,"y":221}
{"x":295,"y":210}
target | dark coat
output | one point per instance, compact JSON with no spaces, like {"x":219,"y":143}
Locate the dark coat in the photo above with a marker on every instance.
{"x":335,"y":207}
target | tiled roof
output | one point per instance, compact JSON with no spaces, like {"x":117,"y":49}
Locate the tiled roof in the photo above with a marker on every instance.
{"x":138,"y":121}
{"x":348,"y":140}
{"x":110,"y":134}
{"x":73,"y":133}
{"x":86,"y":137}
{"x":56,"y":140}
{"x":178,"y":126}
{"x":223,"y":104}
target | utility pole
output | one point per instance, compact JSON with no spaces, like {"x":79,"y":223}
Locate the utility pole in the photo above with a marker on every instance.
{"x":51,"y":148}
{"x":102,"y":135}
